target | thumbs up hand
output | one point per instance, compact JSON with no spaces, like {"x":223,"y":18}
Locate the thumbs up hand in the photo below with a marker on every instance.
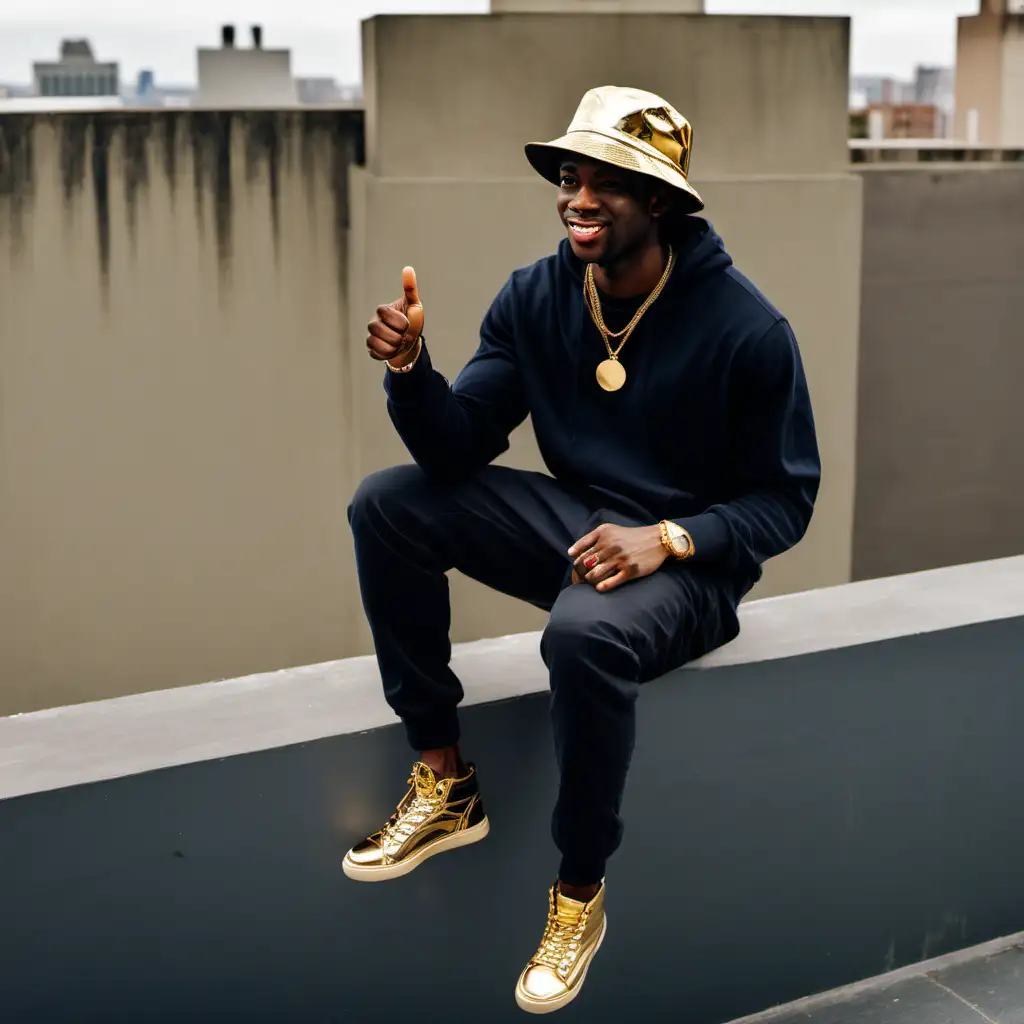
{"x":395,"y":331}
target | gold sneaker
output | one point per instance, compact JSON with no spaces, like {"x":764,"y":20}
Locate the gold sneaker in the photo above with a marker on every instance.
{"x":434,"y":816}
{"x":555,"y":974}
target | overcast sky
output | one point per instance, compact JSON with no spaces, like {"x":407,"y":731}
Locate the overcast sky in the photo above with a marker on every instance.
{"x":890,"y":36}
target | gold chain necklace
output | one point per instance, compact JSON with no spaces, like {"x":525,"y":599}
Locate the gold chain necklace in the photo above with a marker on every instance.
{"x":611,"y":374}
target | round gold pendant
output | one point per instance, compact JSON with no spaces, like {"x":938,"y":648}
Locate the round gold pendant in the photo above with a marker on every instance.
{"x":611,"y":374}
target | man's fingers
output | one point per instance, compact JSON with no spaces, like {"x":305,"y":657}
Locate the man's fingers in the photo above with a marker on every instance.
{"x":616,"y":581}
{"x":583,"y":543}
{"x":388,"y":335}
{"x":409,"y":286}
{"x":580,"y":564}
{"x":381,"y":350}
{"x":393,"y":318}
{"x":414,"y":308}
{"x":599,"y":572}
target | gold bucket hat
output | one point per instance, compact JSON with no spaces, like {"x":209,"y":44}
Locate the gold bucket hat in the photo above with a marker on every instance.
{"x":629,"y":128}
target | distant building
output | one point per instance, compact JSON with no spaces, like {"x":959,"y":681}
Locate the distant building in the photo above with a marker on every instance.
{"x":53,"y":104}
{"x":873,"y":89}
{"x":882,"y":107}
{"x":11,"y":91}
{"x":146,"y":83}
{"x":318,"y":91}
{"x":253,"y":77}
{"x":935,"y":86}
{"x":77,"y":73}
{"x":147,"y":93}
{"x":351,"y":95}
{"x":904,"y":121}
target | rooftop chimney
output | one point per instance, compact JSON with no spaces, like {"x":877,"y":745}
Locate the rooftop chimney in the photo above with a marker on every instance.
{"x":227,"y":36}
{"x":257,"y":37}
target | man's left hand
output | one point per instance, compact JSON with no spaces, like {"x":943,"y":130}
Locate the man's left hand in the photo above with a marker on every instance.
{"x":612,"y":555}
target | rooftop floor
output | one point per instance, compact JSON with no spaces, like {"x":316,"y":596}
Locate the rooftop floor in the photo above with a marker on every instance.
{"x":987,"y":986}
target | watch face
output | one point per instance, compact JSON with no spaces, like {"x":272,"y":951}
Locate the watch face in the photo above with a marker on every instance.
{"x":679,"y":540}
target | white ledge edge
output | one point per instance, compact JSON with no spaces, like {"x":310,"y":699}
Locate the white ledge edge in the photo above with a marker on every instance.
{"x":108,"y":739}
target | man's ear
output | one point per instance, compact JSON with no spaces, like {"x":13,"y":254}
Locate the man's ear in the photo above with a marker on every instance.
{"x":660,"y":201}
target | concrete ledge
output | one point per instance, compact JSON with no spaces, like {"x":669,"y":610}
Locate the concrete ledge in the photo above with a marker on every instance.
{"x":834,"y":798}
{"x":108,"y":739}
{"x":914,"y":151}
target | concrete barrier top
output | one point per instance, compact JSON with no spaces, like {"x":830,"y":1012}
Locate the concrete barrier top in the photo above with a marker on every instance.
{"x":108,"y":739}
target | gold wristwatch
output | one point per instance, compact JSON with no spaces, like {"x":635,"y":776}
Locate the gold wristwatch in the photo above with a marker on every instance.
{"x":677,"y":541}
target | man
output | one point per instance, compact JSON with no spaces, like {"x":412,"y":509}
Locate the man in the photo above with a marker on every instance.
{"x":670,"y":406}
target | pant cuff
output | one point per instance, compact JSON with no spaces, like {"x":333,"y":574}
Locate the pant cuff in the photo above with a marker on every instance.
{"x":433,"y":731}
{"x":580,"y":871}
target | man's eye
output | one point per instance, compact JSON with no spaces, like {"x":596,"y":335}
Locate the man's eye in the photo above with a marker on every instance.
{"x":568,"y":181}
{"x":611,"y":185}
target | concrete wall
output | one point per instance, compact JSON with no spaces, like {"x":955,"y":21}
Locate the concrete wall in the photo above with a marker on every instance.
{"x":990,"y":76}
{"x":454,"y":196}
{"x":764,"y":94}
{"x":940,"y":466}
{"x":175,"y":454}
{"x":1013,"y":84}
{"x":186,"y":405}
{"x":979,"y":77}
{"x":183,"y":421}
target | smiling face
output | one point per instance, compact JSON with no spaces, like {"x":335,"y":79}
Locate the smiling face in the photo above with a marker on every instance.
{"x":611,"y":215}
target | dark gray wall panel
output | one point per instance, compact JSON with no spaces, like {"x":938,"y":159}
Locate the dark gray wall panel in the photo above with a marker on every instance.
{"x":940,"y":458}
{"x":791,"y":826}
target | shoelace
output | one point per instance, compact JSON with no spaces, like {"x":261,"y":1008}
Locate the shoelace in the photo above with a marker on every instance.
{"x":562,"y":938}
{"x":403,"y":824}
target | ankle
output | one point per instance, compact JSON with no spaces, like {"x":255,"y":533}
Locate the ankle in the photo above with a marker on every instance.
{"x":580,"y":893}
{"x":445,"y":762}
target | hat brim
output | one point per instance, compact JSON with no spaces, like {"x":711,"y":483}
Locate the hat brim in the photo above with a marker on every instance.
{"x":546,"y":158}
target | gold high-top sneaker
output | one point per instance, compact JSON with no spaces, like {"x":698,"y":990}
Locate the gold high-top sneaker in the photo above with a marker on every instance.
{"x":555,"y":974}
{"x":434,"y":816}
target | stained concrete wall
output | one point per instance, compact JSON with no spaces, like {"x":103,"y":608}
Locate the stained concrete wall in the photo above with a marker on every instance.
{"x":940,"y":464}
{"x":183,"y":420}
{"x":175,"y":453}
{"x":186,"y":406}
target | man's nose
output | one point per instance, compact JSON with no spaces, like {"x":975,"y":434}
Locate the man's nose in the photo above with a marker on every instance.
{"x":584,"y":200}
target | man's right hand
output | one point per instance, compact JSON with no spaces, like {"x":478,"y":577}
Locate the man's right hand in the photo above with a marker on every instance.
{"x":395,"y":331}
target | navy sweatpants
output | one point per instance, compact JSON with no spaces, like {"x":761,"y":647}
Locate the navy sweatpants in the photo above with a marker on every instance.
{"x":510,"y":530}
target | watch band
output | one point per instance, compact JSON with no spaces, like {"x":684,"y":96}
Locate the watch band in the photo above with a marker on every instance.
{"x":412,"y":362}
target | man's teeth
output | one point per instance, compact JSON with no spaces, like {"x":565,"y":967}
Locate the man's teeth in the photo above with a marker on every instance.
{"x":580,"y":229}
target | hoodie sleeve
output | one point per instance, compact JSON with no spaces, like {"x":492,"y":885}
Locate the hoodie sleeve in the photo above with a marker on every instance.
{"x":774,"y":466}
{"x":452,"y":431}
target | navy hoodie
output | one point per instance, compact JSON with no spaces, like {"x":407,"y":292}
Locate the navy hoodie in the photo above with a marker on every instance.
{"x":713,"y":428}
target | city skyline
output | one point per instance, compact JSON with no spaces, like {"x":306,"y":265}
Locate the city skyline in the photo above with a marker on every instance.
{"x":888,"y":38}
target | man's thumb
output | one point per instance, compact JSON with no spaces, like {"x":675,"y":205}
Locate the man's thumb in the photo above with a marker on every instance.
{"x":414,"y":308}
